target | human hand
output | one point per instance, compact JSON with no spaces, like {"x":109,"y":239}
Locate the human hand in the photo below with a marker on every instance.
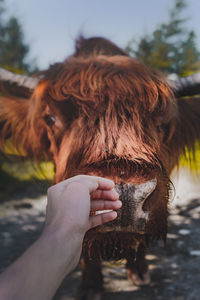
{"x":68,"y":213}
{"x":70,"y":203}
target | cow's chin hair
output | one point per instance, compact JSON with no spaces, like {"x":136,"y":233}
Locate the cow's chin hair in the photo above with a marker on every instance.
{"x":112,"y":245}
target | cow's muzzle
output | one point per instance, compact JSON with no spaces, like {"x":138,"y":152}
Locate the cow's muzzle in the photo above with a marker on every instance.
{"x":131,"y":216}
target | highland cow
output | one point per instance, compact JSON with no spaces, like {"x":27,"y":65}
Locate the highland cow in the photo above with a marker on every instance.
{"x":101,"y":112}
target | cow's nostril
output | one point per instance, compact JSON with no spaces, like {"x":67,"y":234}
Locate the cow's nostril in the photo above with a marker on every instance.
{"x":137,"y":192}
{"x":143,"y":190}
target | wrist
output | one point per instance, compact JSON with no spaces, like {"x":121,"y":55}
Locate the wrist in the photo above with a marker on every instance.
{"x":65,"y":247}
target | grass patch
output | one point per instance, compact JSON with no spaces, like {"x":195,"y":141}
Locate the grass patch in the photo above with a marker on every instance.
{"x":28,"y":170}
{"x":191,"y":161}
{"x":23,"y":177}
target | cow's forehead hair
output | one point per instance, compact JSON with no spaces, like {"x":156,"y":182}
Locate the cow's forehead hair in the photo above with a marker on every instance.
{"x":117,"y":78}
{"x":104,"y":83}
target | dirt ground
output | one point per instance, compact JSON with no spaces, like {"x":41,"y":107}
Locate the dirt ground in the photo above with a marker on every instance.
{"x":174,"y":268}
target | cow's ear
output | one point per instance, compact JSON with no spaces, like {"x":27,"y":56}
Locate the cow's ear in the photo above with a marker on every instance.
{"x":187,"y":131}
{"x":16,"y":126}
{"x":13,"y":121}
{"x":15,"y":113}
{"x":189,"y":118}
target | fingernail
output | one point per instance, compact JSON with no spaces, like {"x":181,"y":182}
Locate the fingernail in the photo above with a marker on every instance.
{"x":114,"y":215}
{"x":119,"y":203}
{"x":116,"y":193}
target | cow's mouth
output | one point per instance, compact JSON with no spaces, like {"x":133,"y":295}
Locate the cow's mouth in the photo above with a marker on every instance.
{"x":131,"y":217}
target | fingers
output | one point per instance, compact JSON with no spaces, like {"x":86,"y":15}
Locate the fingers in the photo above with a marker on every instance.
{"x":104,"y":205}
{"x":94,"y":182}
{"x":105,"y":183}
{"x":102,"y":218}
{"x":91,"y":182}
{"x":105,"y":194}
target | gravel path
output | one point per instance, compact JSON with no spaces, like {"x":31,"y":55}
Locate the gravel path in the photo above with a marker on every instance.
{"x":174,"y":268}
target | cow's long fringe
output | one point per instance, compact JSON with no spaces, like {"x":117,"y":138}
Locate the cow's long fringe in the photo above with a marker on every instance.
{"x":112,"y":245}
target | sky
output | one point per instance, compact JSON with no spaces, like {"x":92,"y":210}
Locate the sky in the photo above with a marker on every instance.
{"x":51,"y":26}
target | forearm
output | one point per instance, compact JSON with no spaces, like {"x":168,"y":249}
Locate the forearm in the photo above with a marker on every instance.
{"x":37,"y":274}
{"x":40,"y":270}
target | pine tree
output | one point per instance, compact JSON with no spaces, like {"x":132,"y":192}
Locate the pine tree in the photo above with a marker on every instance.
{"x":171,"y":48}
{"x":13,"y":49}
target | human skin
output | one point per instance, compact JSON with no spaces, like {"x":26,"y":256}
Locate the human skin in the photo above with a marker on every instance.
{"x":37,"y":274}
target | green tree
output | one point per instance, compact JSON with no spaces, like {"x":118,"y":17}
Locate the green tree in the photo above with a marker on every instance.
{"x":13,"y":49}
{"x":171,"y":48}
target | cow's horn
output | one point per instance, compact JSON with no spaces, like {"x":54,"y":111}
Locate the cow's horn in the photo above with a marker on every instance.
{"x":187,"y":86}
{"x":19,"y":80}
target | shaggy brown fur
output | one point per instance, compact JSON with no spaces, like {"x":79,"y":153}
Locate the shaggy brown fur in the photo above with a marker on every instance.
{"x":102,"y":112}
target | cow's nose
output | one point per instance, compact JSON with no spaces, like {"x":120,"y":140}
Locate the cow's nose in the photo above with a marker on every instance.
{"x":133,"y":197}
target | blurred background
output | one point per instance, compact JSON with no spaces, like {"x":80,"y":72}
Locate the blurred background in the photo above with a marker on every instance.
{"x":163,"y":33}
{"x":33,"y":34}
{"x":166,"y":36}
